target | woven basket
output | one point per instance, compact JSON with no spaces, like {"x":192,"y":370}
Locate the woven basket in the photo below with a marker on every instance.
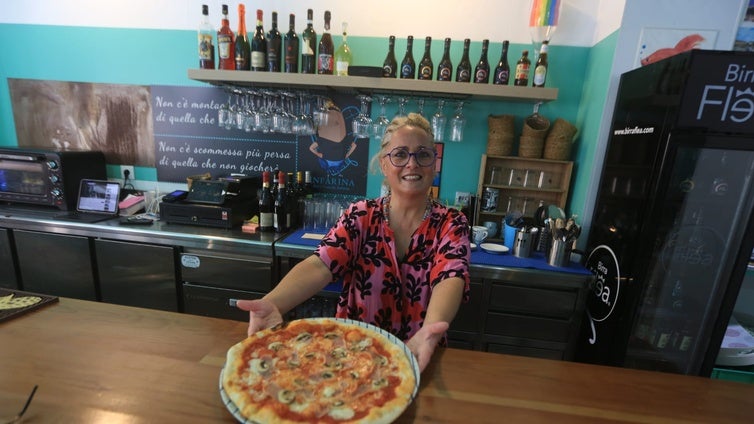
{"x":559,"y":140}
{"x":500,"y":135}
{"x":530,"y":147}
{"x":536,"y":126}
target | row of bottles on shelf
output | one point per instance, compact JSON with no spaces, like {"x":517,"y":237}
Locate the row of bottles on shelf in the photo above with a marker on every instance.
{"x":481,"y":74}
{"x":274,"y":52}
{"x":281,"y":199}
{"x":665,"y":323}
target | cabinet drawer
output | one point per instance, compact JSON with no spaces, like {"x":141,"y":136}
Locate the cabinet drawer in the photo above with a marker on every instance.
{"x":533,"y":301}
{"x":214,"y":301}
{"x":527,"y":327}
{"x":469,"y":314}
{"x":8,"y":277}
{"x":227,"y":271}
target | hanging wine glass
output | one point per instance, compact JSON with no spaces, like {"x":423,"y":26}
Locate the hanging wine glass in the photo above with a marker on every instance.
{"x":457,"y":123}
{"x":223,"y":114}
{"x":248,"y":122}
{"x":362,"y":124}
{"x":321,"y":114}
{"x":381,"y":123}
{"x":420,"y":106}
{"x":438,"y":121}
{"x":402,"y":101}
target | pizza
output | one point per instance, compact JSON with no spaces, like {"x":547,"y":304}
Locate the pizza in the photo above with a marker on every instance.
{"x":324,"y":370}
{"x":15,"y":302}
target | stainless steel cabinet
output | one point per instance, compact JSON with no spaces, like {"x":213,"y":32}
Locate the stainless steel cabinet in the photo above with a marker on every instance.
{"x":137,"y":274}
{"x":55,"y":264}
{"x":8,"y":278}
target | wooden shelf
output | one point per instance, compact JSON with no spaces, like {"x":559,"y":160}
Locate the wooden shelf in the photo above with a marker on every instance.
{"x":375,"y":85}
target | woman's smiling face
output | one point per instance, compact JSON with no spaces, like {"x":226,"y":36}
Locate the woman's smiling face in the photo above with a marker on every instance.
{"x":411,"y":178}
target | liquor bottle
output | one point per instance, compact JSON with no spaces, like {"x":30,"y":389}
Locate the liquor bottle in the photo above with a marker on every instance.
{"x":503,"y":69}
{"x":259,"y":46}
{"x":205,"y":37}
{"x":343,"y":54}
{"x":390,"y":65}
{"x":274,"y":41}
{"x":522,"y":69}
{"x":282,"y":214}
{"x":482,"y":69}
{"x":266,"y":205}
{"x":309,"y":45}
{"x":242,"y":46}
{"x":300,"y":197}
{"x":326,"y":49}
{"x":463,"y":71}
{"x":445,"y":68}
{"x":408,"y":66}
{"x":225,"y":44}
{"x":540,"y":68}
{"x":308,"y":187}
{"x":290,"y":45}
{"x":426,"y":67}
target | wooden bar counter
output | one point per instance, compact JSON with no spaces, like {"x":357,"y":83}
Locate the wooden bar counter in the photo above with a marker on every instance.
{"x":104,"y":363}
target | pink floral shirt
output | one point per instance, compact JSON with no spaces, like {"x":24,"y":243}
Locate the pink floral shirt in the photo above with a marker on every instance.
{"x":382,"y":289}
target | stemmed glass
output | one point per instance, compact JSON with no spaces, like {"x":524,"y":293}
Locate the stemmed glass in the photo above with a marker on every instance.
{"x":321,"y":114}
{"x":420,"y":105}
{"x":438,"y":121}
{"x":223,"y":114}
{"x":381,"y":123}
{"x":402,"y":101}
{"x":457,"y":123}
{"x":363,"y":122}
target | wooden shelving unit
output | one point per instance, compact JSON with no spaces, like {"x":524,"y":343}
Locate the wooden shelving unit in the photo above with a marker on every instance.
{"x":523,"y":182}
{"x":370,"y":85}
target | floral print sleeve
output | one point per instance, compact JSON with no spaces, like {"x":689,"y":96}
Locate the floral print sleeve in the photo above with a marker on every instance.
{"x":385,"y":289}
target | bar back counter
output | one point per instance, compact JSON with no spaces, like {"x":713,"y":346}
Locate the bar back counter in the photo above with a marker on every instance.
{"x":522,"y":307}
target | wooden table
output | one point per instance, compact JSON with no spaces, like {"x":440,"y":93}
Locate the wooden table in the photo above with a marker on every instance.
{"x":104,"y":363}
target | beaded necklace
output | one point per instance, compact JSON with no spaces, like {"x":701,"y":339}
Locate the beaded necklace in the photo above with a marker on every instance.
{"x":386,"y":202}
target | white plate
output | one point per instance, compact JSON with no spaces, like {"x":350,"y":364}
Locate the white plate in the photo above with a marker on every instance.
{"x":495,"y":249}
{"x":233,"y":409}
{"x":473,"y":247}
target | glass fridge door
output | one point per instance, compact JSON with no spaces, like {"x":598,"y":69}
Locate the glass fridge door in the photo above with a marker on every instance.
{"x":700,"y":214}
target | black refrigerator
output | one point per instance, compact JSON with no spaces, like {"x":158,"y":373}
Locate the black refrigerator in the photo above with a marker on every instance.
{"x":673,"y":224}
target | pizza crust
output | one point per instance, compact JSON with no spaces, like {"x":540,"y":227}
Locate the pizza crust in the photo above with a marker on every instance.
{"x":322,"y":369}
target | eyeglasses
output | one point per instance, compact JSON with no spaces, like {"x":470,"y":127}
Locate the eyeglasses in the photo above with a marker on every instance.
{"x":400,"y":156}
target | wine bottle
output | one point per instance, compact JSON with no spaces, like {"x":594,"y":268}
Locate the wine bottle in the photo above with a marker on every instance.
{"x":308,"y":187}
{"x":408,"y":66}
{"x":259,"y":46}
{"x":503,"y":69}
{"x":463,"y":71}
{"x":266,"y":205}
{"x":482,"y":69}
{"x":390,"y":65}
{"x":426,"y":67}
{"x":206,"y":35}
{"x":282,"y":214}
{"x":274,"y":41}
{"x":540,"y":68}
{"x":522,"y":69}
{"x":290,"y":45}
{"x":326,"y":49}
{"x":275,"y":183}
{"x":309,"y":45}
{"x":445,"y":68}
{"x":225,"y":43}
{"x":343,"y":54}
{"x":242,"y":46}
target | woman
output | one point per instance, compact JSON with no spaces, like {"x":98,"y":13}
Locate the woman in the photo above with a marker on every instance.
{"x":403,"y":259}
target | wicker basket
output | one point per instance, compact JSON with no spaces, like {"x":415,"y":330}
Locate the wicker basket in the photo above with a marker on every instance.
{"x":531,"y":147}
{"x":559,"y":140}
{"x":501,"y":134}
{"x":536,"y":126}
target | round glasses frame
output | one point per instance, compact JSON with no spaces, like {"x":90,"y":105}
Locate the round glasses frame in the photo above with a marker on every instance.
{"x":400,"y":157}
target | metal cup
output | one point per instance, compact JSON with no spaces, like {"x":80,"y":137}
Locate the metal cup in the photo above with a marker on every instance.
{"x":522,"y":244}
{"x":560,"y":253}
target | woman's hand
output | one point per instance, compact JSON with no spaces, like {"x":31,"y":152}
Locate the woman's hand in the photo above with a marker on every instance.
{"x":423,"y":343}
{"x":262,"y":314}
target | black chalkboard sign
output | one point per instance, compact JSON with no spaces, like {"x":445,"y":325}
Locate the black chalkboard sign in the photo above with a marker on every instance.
{"x":188,"y":141}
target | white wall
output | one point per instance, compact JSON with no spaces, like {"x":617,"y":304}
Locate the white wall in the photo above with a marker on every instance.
{"x":582,"y":23}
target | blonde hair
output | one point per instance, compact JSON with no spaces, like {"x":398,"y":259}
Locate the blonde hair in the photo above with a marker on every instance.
{"x":412,"y":119}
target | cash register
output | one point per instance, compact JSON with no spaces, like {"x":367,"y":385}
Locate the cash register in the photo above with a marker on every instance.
{"x":224,"y":202}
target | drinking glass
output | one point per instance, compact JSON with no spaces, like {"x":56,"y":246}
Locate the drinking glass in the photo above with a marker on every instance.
{"x":321,"y":115}
{"x":223,"y":114}
{"x":438,"y":122}
{"x":457,"y":123}
{"x":402,"y":101}
{"x":381,"y":123}
{"x":420,"y":106}
{"x":363,"y":122}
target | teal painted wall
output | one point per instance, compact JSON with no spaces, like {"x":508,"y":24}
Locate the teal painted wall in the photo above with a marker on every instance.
{"x":162,"y":57}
